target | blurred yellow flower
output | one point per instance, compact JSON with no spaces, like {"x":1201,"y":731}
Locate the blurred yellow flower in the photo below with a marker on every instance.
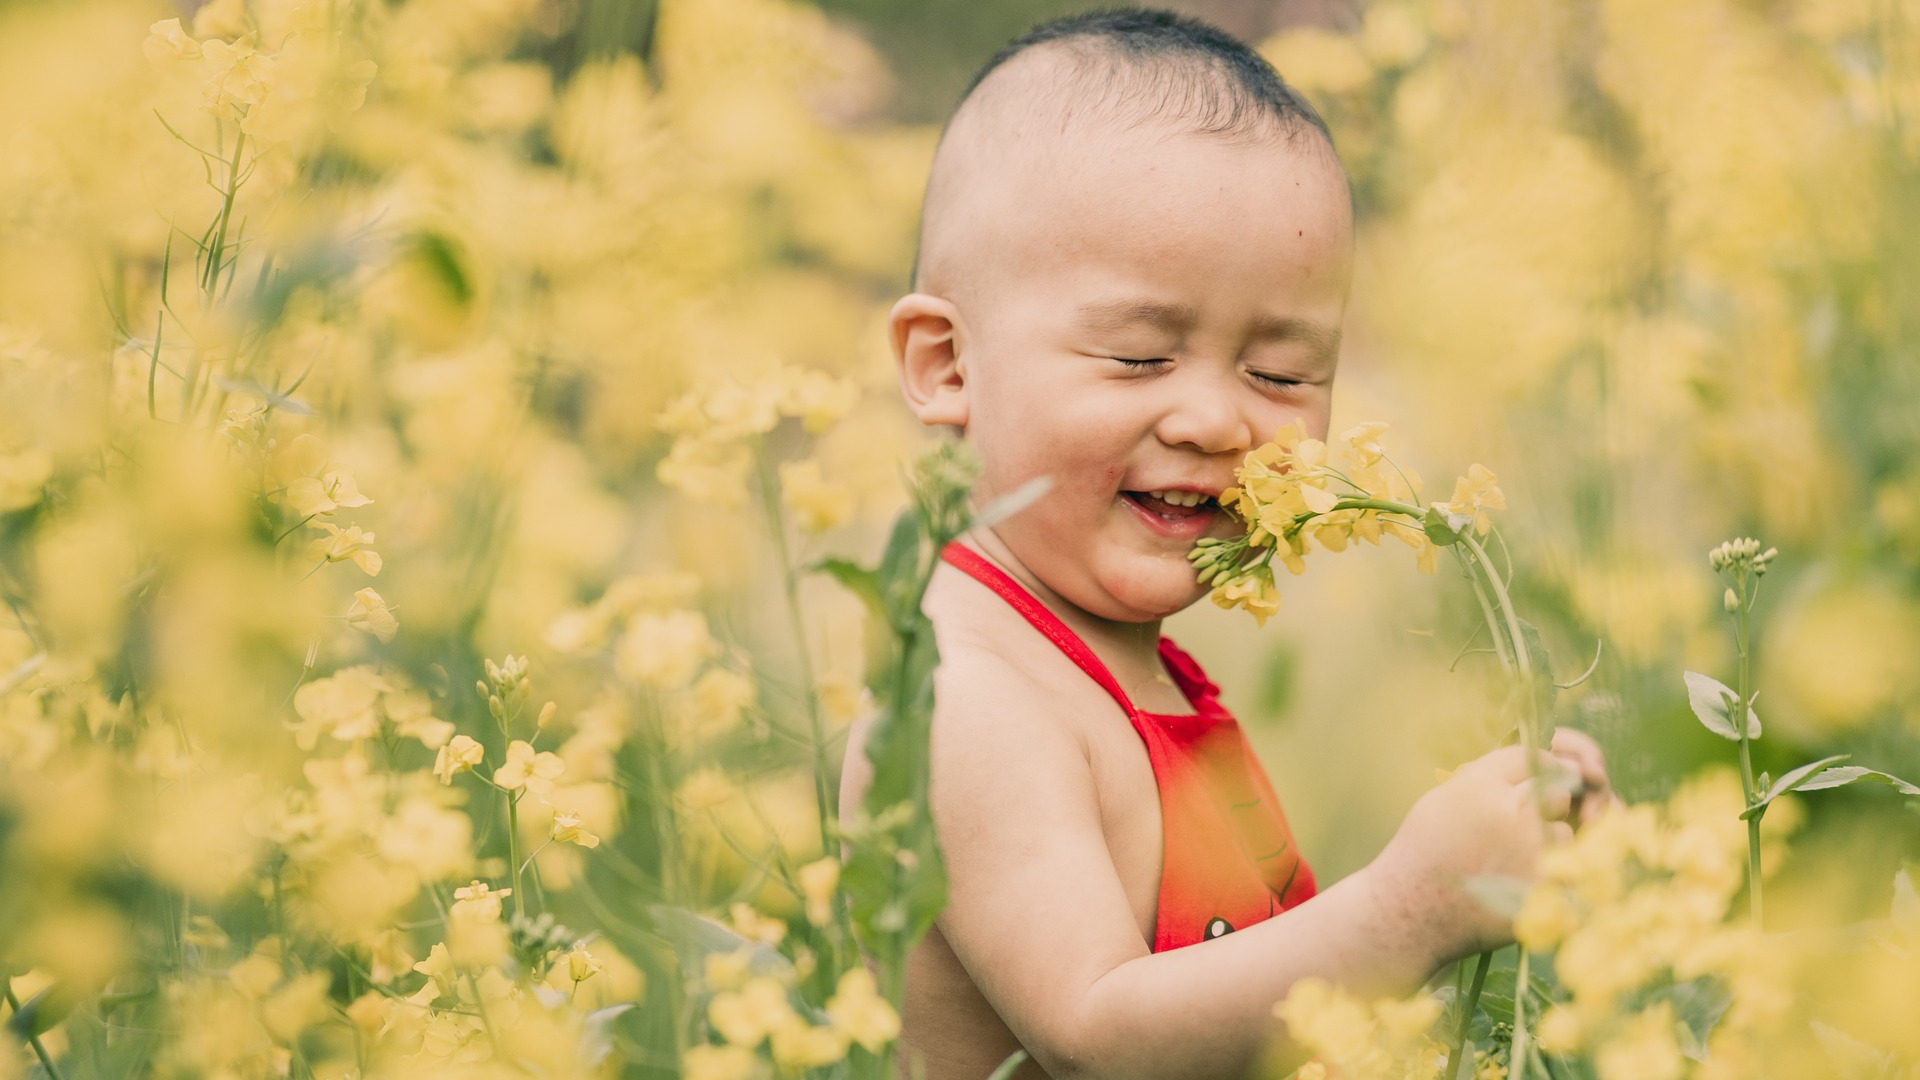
{"x":753,"y":926}
{"x":168,"y":44}
{"x":816,"y":503}
{"x":705,"y":788}
{"x":350,"y":544}
{"x":860,"y":1013}
{"x":581,"y":964}
{"x":477,"y":901}
{"x":567,"y":829}
{"x":220,"y":19}
{"x":745,"y":1017}
{"x":458,"y":756}
{"x":369,"y":613}
{"x":664,"y":650}
{"x":818,"y":881}
{"x":719,"y":1063}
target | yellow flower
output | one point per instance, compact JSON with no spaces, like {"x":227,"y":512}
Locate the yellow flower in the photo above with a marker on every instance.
{"x":818,"y":880}
{"x":233,"y":75}
{"x":799,"y":1046}
{"x":220,"y":19}
{"x":458,"y":756}
{"x":747,"y":1016}
{"x":342,"y":705}
{"x":527,"y":769}
{"x":351,"y":543}
{"x":817,"y":504}
{"x":369,"y":613}
{"x":1546,"y":917}
{"x":664,"y":650}
{"x":568,"y":830}
{"x":860,"y":1013}
{"x":1254,"y":591}
{"x":728,"y":970}
{"x":1473,"y":495}
{"x":168,"y":45}
{"x":754,"y":926}
{"x":412,"y":714}
{"x":1643,"y":1048}
{"x":705,"y":788}
{"x":718,"y":1063}
{"x":478,"y":901}
{"x":581,"y":964}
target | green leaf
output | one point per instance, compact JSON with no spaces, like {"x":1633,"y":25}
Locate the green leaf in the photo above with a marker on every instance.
{"x":1795,"y":780}
{"x":901,"y":558}
{"x":1439,"y":529}
{"x":1841,"y":775}
{"x":1712,"y":701}
{"x":596,"y":1035}
{"x":859,"y":581}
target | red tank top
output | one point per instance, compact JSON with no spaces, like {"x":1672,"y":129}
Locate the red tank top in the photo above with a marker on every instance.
{"x":1228,"y":858}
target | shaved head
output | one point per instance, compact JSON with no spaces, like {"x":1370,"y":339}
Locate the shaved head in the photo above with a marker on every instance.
{"x":1056,"y":102}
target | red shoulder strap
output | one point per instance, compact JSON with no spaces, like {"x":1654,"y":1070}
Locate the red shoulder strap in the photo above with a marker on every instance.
{"x":976,"y":566}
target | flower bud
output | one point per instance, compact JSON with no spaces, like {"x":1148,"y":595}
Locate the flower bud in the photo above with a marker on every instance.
{"x":481,"y":686}
{"x":546,"y":715}
{"x":494,"y":706}
{"x":1730,"y":602}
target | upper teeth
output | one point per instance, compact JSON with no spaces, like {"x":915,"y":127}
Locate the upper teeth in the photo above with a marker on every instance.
{"x":1179,"y":498}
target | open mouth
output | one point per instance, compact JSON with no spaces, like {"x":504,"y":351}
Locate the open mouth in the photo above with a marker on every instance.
{"x":1175,"y":513}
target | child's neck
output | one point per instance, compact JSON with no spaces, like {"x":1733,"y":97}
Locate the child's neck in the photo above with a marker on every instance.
{"x":1131,"y":650}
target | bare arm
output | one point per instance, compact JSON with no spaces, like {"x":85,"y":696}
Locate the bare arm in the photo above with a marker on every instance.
{"x":1038,"y":916}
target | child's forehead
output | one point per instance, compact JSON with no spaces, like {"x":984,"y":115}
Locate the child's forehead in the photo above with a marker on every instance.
{"x":1065,"y":135}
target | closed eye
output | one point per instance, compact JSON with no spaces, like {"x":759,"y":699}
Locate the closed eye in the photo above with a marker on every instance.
{"x":1143,"y":364}
{"x":1277,"y":381}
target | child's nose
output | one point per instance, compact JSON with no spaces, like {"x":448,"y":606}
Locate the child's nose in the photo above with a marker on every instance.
{"x":1209,"y":415}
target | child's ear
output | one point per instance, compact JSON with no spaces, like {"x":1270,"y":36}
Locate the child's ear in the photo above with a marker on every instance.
{"x":925,"y":332}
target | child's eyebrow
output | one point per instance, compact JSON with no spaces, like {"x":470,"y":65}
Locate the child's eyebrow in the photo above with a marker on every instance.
{"x":1178,"y":318}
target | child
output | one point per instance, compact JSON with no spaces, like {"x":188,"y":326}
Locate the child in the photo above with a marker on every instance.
{"x":1134,"y":262}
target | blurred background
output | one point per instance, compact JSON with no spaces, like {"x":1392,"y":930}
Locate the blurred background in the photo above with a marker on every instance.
{"x":1654,"y":262}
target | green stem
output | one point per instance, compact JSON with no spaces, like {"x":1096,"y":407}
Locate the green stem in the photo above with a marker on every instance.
{"x":33,"y":1039}
{"x":513,"y":851}
{"x":777,"y":521}
{"x":1468,"y":1005}
{"x":1517,"y":1057}
{"x":1744,"y":691}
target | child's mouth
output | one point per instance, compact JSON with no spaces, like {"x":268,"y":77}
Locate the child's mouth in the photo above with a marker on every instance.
{"x":1174,"y":513}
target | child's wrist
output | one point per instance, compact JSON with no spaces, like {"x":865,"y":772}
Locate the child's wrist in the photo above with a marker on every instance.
{"x":1414,"y":912}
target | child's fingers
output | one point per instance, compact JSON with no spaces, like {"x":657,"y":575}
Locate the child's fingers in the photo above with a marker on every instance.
{"x":1554,"y":796}
{"x":1579,"y":750}
{"x":1559,"y":832}
{"x":1509,"y":764}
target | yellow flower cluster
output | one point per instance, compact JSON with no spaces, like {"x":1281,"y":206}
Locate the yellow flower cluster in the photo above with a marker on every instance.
{"x":1353,"y":1039}
{"x":1296,"y":492}
{"x":715,"y":430}
{"x":1638,"y":904}
{"x":748,"y":1011}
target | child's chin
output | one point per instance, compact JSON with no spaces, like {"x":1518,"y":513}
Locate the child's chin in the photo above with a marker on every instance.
{"x":1154,"y":596}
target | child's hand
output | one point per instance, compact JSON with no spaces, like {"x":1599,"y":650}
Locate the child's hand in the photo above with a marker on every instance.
{"x":1486,"y":821}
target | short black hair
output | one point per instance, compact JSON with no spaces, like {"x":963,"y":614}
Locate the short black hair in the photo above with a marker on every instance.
{"x":1186,"y":60}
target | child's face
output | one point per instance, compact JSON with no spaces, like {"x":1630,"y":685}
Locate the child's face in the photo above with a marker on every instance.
{"x":1148,"y":307}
